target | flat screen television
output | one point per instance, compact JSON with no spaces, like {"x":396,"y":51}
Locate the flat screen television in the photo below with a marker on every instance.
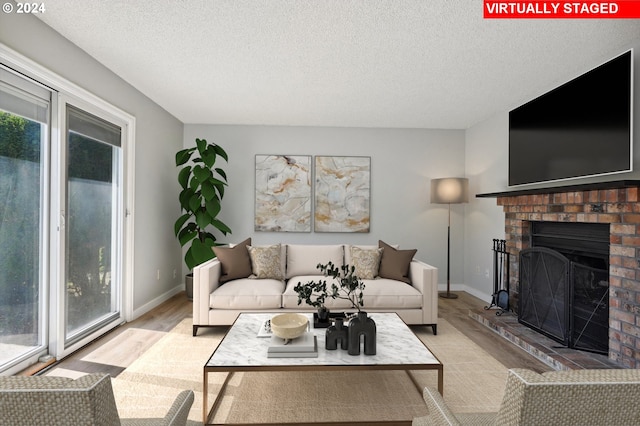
{"x":582,"y":128}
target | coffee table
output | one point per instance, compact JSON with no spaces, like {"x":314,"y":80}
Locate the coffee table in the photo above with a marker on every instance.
{"x":397,"y":348}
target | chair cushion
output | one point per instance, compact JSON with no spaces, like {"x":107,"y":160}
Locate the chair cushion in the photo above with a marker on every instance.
{"x":394,"y":263}
{"x":304,"y":259}
{"x":248,"y":293}
{"x":234,"y":261}
{"x":266,"y":262}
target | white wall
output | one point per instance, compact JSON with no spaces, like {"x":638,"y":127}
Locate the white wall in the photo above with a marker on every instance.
{"x":158,"y":137}
{"x":402,"y":164}
{"x":487,"y":167}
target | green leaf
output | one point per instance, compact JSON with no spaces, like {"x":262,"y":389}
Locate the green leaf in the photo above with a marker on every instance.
{"x":203,"y":219}
{"x":222,"y":173}
{"x":221,"y":226}
{"x":186,"y":235}
{"x":202,"y":145}
{"x":183,"y":156}
{"x":183,"y":177}
{"x":209,"y":157}
{"x":208,"y":190}
{"x":202,"y":173}
{"x":181,"y":221}
{"x":213,"y":207}
{"x":195,"y":202}
{"x":185,"y":197}
{"x":200,"y":252}
{"x":221,"y":152}
{"x":189,"y":260}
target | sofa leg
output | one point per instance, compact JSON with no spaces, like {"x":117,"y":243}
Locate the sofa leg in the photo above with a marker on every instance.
{"x":434,"y":327}
{"x":195,"y":330}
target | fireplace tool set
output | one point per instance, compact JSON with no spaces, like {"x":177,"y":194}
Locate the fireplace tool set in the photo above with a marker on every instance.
{"x":500,"y":297}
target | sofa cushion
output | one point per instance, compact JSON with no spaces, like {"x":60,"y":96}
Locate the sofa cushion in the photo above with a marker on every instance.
{"x":366,"y":262}
{"x":234,"y":261}
{"x":247,"y":293}
{"x":266,"y":262}
{"x":304,"y":259}
{"x":394,"y":263}
{"x":383,"y":293}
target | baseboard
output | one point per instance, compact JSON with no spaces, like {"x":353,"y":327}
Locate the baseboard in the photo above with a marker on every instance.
{"x":472,"y":291}
{"x":479,"y":294}
{"x":157,"y":301}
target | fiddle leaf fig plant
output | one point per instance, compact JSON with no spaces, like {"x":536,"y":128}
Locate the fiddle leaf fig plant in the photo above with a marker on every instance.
{"x":203,"y":187}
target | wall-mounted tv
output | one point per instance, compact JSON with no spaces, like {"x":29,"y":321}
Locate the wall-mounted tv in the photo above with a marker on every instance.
{"x":582,"y":128}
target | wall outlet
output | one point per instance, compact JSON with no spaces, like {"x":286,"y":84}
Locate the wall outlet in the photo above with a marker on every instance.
{"x":175,"y":273}
{"x":158,"y":274}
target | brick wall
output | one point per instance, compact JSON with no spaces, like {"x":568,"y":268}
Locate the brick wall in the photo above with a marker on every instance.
{"x":619,"y":208}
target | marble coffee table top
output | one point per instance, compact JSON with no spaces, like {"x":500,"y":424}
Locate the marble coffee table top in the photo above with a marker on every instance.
{"x":396,"y":345}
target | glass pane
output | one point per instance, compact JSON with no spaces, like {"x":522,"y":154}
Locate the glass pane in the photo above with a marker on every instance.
{"x":21,"y":182}
{"x":92,"y":277}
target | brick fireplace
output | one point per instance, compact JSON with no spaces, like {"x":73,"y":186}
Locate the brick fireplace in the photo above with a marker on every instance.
{"x":614,"y":203}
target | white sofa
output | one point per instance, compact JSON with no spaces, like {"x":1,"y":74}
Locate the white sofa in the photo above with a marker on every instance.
{"x":412,"y":294}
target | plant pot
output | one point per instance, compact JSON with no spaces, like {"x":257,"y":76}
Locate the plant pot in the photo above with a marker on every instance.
{"x":188,"y":286}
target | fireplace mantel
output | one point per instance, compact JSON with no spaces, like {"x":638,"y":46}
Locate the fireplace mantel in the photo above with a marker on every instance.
{"x":616,"y":184}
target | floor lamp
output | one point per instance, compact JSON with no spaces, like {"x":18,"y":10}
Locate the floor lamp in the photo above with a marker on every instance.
{"x":449,"y":191}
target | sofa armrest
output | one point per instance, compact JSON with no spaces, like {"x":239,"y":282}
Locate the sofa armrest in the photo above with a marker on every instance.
{"x":424,"y":277}
{"x":206,"y":278}
{"x":439,"y":413}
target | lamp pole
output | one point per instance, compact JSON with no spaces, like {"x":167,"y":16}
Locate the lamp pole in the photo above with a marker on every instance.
{"x":448,"y":294}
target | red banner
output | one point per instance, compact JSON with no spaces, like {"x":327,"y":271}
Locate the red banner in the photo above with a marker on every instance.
{"x":623,"y":9}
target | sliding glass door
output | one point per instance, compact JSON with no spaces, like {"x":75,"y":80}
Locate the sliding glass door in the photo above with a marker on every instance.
{"x":93,"y":223}
{"x":61,"y":221}
{"x":24,"y":136}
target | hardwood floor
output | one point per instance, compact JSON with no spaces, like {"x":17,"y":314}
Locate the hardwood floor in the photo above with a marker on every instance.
{"x":170,"y":313}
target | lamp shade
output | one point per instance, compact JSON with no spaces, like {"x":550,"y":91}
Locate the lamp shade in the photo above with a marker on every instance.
{"x":450,"y":190}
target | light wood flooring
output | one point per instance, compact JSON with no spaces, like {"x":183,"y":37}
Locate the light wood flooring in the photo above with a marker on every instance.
{"x":149,"y":328}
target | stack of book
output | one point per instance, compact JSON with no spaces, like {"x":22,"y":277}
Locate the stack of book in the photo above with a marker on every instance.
{"x":305,"y":346}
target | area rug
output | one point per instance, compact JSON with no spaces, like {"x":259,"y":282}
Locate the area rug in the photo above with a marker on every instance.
{"x":473,"y":382}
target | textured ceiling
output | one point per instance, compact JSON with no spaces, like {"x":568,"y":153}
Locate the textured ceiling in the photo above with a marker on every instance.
{"x":355,"y":63}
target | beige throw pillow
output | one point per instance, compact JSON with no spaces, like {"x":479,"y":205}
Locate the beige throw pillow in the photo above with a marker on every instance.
{"x":366,"y":262}
{"x":234,"y":261}
{"x":394,"y":263}
{"x":265,"y":262}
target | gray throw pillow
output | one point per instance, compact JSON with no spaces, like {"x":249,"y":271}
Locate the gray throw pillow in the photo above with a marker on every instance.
{"x":394,"y":263}
{"x":235,"y":261}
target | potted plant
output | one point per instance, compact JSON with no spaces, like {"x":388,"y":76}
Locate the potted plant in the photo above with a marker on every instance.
{"x":350,"y":287}
{"x":314,"y":294}
{"x":203,"y":186}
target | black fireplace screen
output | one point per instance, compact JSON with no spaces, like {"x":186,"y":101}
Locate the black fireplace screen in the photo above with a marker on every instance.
{"x":564,"y":299}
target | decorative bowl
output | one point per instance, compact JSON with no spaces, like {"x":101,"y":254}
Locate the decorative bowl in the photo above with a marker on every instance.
{"x":289,"y":326}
